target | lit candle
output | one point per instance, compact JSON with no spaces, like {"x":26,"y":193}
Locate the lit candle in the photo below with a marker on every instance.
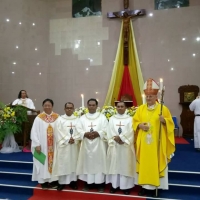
{"x":161,"y":85}
{"x":82,"y":98}
{"x":143,"y":99}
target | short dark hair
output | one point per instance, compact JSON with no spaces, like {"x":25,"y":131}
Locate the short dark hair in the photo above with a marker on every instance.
{"x":92,"y":100}
{"x":20,"y":94}
{"x":121,"y":102}
{"x":49,"y":100}
{"x":69,"y":103}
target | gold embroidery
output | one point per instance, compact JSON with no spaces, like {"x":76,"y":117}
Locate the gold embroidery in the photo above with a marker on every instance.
{"x":48,"y":118}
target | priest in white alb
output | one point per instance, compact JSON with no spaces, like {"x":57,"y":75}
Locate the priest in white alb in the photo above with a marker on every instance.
{"x":91,"y":166}
{"x":67,"y":148}
{"x":43,"y":142}
{"x":195,"y":106}
{"x":121,"y":154}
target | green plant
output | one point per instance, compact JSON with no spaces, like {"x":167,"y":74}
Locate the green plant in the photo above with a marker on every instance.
{"x":11,"y":119}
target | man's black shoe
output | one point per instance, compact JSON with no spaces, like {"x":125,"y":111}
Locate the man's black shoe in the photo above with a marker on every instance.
{"x":60,"y":187}
{"x":54,"y":184}
{"x":73,"y":185}
{"x":127,"y":192}
{"x":86,"y":187}
{"x":142,"y":192}
{"x":45,"y":186}
{"x":113,"y":190}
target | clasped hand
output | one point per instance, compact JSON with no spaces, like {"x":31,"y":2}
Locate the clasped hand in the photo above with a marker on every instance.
{"x":144,"y":126}
{"x":71,"y":141}
{"x":91,"y":135}
{"x":118,"y":140}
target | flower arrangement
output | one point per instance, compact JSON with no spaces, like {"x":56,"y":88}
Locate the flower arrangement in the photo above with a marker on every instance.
{"x":108,"y":111}
{"x":131,"y":111}
{"x":80,"y":111}
{"x":11,"y":119}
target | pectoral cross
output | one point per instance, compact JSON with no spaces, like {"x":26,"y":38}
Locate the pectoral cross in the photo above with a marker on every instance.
{"x":91,"y":130}
{"x":71,"y":128}
{"x":119,"y":129}
{"x":126,"y":16}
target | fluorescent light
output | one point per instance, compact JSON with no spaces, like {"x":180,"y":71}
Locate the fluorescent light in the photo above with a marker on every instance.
{"x":198,"y":38}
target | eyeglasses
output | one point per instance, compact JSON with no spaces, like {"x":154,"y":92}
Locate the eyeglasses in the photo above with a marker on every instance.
{"x":69,"y":108}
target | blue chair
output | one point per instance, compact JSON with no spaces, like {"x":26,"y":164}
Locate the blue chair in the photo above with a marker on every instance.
{"x":176,"y":127}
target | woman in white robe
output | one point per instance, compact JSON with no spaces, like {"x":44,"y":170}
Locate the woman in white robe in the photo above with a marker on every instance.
{"x":24,"y":100}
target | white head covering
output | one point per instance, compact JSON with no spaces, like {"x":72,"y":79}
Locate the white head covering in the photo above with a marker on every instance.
{"x":150,"y":87}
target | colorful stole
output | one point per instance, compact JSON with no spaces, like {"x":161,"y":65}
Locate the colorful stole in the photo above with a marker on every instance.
{"x":49,"y":119}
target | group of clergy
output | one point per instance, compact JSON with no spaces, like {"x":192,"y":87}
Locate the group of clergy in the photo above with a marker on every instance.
{"x":123,"y":151}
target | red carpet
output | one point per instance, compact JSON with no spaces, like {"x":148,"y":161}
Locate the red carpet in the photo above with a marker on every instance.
{"x":180,"y":140}
{"x":80,"y":195}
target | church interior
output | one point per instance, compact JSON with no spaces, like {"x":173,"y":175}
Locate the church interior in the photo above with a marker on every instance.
{"x":50,"y":54}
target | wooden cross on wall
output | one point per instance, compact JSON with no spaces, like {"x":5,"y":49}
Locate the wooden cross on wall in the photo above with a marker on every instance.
{"x":126,"y":15}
